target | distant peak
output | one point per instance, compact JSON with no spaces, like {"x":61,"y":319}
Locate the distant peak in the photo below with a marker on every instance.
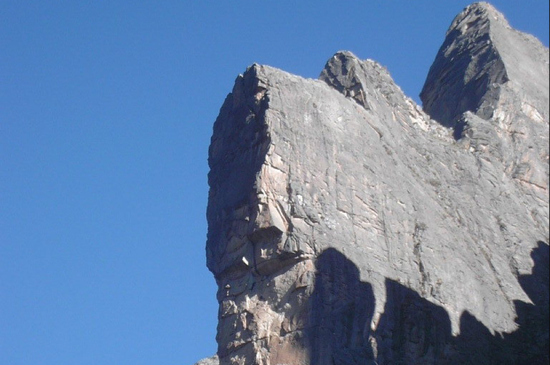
{"x":345,"y":55}
{"x":480,"y":13}
{"x":482,"y":8}
{"x":348,"y":56}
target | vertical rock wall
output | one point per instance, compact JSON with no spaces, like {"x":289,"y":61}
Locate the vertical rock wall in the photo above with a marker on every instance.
{"x":348,"y":227}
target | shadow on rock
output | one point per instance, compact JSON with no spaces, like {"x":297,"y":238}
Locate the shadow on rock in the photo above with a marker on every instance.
{"x":413,"y":330}
{"x":341,"y":308}
{"x":526,"y":346}
{"x":531,"y":340}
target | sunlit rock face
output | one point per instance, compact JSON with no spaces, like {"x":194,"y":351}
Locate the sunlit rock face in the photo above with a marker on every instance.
{"x":346,"y":226}
{"x":210,"y":361}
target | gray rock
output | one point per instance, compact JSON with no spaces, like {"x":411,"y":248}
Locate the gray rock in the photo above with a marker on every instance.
{"x":347,"y":227}
{"x":481,"y":57}
{"x":210,"y":361}
{"x":487,"y":69}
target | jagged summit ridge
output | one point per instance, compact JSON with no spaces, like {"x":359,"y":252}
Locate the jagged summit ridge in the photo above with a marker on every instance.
{"x":346,"y":226}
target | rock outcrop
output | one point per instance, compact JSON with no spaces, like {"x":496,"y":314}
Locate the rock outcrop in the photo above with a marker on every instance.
{"x":346,"y":226}
{"x":210,"y":361}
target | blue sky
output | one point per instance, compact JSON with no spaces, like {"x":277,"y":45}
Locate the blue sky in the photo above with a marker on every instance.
{"x":106,"y":112}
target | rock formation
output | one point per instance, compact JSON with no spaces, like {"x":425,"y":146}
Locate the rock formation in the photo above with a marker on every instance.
{"x":210,"y":361}
{"x":346,"y":226}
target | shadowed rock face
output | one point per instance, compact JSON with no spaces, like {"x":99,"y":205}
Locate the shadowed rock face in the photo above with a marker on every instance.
{"x":348,"y":227}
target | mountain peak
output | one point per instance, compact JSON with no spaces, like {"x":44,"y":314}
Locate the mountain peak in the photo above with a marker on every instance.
{"x":346,"y":226}
{"x":488,"y":70}
{"x":481,"y":51}
{"x":479,"y":10}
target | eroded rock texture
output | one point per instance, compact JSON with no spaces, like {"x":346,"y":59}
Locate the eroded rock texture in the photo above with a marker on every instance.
{"x":348,"y":227}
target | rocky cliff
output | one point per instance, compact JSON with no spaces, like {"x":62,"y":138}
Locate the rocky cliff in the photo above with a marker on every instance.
{"x":210,"y":361}
{"x":349,"y":226}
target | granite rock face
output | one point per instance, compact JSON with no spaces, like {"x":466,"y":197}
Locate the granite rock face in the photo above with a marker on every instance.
{"x":346,"y":226}
{"x":210,"y":361}
{"x":490,"y":83}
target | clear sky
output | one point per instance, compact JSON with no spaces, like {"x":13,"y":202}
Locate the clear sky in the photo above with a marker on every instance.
{"x":106,"y":112}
